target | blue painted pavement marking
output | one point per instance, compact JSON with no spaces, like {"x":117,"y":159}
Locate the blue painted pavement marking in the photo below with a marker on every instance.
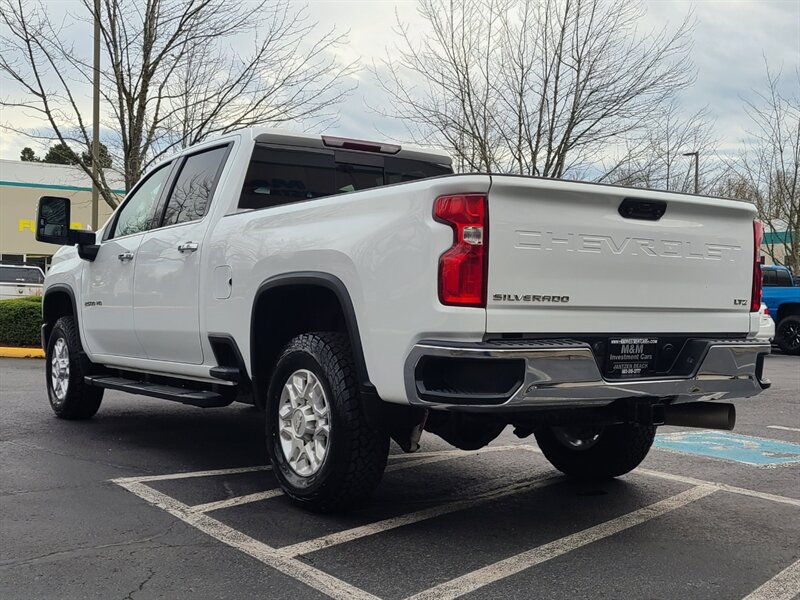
{"x":755,"y":451}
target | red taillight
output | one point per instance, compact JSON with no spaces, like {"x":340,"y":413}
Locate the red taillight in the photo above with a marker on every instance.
{"x":755,"y":297}
{"x":462,"y":269}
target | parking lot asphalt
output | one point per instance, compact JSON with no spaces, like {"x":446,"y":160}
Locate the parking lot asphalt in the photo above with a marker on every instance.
{"x":152,"y":499}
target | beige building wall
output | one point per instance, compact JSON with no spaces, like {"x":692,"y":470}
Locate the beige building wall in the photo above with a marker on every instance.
{"x":21,"y":186}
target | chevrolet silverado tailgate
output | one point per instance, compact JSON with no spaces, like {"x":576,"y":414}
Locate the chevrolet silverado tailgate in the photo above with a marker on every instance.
{"x":575,"y":258}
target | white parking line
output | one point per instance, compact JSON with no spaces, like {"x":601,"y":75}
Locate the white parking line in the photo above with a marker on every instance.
{"x":693,"y":481}
{"x":784,"y":586}
{"x":413,"y":459}
{"x":783,"y":428}
{"x":721,"y":486}
{"x":237,"y":501}
{"x":311,"y":576}
{"x":258,"y":496}
{"x":355,"y":533}
{"x":417,"y":460}
{"x":514,"y":564}
{"x":144,"y":478}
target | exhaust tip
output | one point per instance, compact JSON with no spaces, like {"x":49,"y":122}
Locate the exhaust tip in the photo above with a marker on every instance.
{"x":703,"y":415}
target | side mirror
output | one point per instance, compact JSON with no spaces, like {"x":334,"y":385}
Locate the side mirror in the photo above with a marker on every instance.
{"x":52,"y":227}
{"x":52,"y":221}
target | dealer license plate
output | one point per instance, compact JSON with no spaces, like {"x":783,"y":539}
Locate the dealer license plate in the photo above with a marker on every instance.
{"x":631,"y":357}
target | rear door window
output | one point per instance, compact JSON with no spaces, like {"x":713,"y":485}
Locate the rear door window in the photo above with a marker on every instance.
{"x":194,"y":187}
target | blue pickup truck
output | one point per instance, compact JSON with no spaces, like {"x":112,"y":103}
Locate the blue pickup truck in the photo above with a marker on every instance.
{"x":782,"y":298}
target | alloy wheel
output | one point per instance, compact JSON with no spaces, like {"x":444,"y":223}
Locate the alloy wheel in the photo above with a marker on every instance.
{"x":304,"y":427}
{"x":790,"y":333}
{"x":59,"y":369}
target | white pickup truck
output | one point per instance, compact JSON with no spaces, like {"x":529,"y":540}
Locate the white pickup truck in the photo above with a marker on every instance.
{"x":357,"y":292}
{"x":17,"y":281}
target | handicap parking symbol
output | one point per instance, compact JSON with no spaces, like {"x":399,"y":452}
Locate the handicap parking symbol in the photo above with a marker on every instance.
{"x":745,"y":449}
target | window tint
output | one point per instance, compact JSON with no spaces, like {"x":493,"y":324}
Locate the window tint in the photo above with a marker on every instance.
{"x":138,"y":214}
{"x":277,"y":176}
{"x":399,"y":170}
{"x":769,"y":277}
{"x":349,"y":178}
{"x":16,"y":275}
{"x":194,"y":187}
{"x":783,"y":278}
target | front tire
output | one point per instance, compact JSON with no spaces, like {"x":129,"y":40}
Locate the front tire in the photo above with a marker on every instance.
{"x":66,"y":366}
{"x":596,"y":453}
{"x":787,"y":335}
{"x":324,"y":451}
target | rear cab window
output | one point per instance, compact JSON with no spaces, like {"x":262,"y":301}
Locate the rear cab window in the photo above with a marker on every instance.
{"x":21,"y":275}
{"x":279,"y":175}
{"x":783,"y":279}
{"x":776,"y":278}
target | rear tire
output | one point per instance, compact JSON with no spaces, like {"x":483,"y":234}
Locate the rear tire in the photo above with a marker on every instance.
{"x":787,"y":335}
{"x":66,"y":366}
{"x":596,"y":453}
{"x":326,"y":454}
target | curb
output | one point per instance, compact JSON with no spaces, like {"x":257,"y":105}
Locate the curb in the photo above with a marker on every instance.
{"x":10,"y":352}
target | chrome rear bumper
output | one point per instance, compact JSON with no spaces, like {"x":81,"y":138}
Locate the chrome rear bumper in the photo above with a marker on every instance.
{"x":565,"y":373}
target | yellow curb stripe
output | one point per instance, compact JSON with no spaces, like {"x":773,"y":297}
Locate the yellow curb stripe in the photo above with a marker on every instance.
{"x":9,"y":352}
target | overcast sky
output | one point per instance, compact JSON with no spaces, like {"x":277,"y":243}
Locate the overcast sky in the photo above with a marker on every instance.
{"x":731,"y":40}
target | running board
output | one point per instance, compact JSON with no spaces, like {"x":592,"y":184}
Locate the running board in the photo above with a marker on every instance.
{"x":203,"y":399}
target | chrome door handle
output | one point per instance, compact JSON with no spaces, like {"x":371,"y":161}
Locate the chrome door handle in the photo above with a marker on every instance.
{"x":188,"y":247}
{"x":125,"y":256}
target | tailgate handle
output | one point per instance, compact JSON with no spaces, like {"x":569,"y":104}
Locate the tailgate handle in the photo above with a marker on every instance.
{"x":646,"y":210}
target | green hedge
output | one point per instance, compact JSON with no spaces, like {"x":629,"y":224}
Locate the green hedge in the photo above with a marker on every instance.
{"x":21,"y":321}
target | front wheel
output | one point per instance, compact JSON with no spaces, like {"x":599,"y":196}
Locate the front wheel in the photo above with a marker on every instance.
{"x":324,"y":452}
{"x":66,"y":365}
{"x":787,"y":335}
{"x":596,"y":452}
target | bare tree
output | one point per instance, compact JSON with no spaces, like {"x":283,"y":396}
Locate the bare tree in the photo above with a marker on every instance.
{"x":767,"y":172}
{"x":534,"y":87}
{"x":657,"y":161}
{"x":170,"y":76}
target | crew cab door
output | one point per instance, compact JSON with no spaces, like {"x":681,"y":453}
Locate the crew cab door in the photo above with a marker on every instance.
{"x":168,"y":264}
{"x":107,"y":287}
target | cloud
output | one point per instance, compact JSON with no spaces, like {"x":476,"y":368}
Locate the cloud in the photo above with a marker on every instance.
{"x":731,"y":42}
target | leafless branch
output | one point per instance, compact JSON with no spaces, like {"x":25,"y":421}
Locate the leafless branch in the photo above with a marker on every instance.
{"x":170,"y":74}
{"x":533,"y":87}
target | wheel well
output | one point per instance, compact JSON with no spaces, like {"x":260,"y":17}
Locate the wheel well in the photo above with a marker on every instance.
{"x":56,"y":304}
{"x":787,"y":309}
{"x":283,"y":312}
